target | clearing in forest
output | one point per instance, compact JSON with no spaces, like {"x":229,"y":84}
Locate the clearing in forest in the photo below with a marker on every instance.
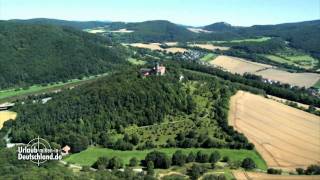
{"x":286,"y":137}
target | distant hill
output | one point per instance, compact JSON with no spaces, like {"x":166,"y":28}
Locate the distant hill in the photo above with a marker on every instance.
{"x":33,"y":54}
{"x":155,"y":31}
{"x":220,"y":26}
{"x":58,"y":22}
{"x":301,"y":35}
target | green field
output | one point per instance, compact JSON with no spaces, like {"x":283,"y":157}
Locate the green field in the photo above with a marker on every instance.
{"x":89,"y":156}
{"x":208,"y":57}
{"x":278,"y":59}
{"x":293,"y":57}
{"x":136,"y":61}
{"x":261,"y":39}
{"x":4,"y":94}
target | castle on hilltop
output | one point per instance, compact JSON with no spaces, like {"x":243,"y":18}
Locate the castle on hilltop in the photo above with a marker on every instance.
{"x":158,"y":70}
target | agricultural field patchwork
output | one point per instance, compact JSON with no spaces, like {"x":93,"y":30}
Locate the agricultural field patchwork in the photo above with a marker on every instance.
{"x":286,"y":137}
{"x":241,"y":66}
{"x":293,"y":57}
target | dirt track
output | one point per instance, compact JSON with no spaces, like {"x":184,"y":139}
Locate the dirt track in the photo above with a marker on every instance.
{"x":286,"y":137}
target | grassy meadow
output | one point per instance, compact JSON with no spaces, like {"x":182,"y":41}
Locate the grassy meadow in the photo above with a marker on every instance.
{"x":89,"y":156}
{"x":208,"y":57}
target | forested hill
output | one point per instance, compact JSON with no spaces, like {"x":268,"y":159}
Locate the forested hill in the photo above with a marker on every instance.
{"x":114,"y":102}
{"x":155,"y":31}
{"x":34,"y":54}
{"x":301,"y":35}
{"x":57,"y":22}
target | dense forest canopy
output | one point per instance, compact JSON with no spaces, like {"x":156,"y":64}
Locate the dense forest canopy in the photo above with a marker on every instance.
{"x":112,"y":103}
{"x":35,"y":54}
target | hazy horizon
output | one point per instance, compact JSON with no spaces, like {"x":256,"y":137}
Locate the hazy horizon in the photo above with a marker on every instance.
{"x":187,"y":12}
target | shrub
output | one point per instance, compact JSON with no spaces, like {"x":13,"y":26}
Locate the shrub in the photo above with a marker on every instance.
{"x":133,"y":162}
{"x":178,"y":158}
{"x":202,"y":157}
{"x":248,"y":164}
{"x":214,"y":157}
{"x":274,"y":171}
{"x":159,"y":159}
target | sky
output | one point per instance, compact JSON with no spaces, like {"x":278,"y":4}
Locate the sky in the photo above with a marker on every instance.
{"x":187,"y":12}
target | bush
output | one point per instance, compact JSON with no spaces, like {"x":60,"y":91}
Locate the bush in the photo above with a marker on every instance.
{"x":115,"y":163}
{"x":300,"y":171}
{"x":178,"y":158}
{"x":196,"y":171}
{"x":159,"y":159}
{"x":150,"y":168}
{"x":274,"y":171}
{"x":101,"y":163}
{"x":225,"y":159}
{"x":191,"y":157}
{"x":202,"y":157}
{"x":313,"y":170}
{"x":248,"y":164}
{"x":214,"y":177}
{"x":214,"y":157}
{"x":133,"y":162}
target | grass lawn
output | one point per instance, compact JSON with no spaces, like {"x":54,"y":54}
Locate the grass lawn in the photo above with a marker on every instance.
{"x":89,"y":156}
{"x":136,"y":61}
{"x":37,"y":88}
{"x":208,"y":57}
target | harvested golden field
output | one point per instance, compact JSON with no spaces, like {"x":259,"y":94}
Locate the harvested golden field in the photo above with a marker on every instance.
{"x":285,"y":137}
{"x":122,"y":31}
{"x":156,"y":46}
{"x":296,"y":79}
{"x":5,"y":116}
{"x":209,"y":47}
{"x":151,"y":46}
{"x":175,"y":50}
{"x":241,"y":175}
{"x":238,"y":65}
{"x":171,"y":43}
{"x":284,"y":101}
{"x":241,"y":66}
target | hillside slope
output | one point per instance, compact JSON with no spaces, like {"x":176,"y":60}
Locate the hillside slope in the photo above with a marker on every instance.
{"x":57,"y":22}
{"x":34,"y":54}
